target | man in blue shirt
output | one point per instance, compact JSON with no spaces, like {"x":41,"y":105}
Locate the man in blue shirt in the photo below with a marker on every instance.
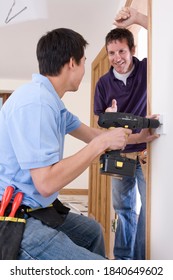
{"x":124,"y":88}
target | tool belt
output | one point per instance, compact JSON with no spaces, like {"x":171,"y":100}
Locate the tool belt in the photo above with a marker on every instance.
{"x":12,"y":227}
{"x":141,"y":156}
{"x":53,"y":215}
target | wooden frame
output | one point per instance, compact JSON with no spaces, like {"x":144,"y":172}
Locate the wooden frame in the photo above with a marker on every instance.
{"x":149,"y":87}
{"x":4,"y":94}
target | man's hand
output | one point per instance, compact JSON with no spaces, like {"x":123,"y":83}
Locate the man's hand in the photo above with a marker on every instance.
{"x":125,"y":17}
{"x":117,"y":138}
{"x":113,"y":108}
{"x":128,"y":16}
{"x":147,"y":135}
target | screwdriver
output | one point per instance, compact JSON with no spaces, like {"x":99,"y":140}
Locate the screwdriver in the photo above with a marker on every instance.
{"x":6,"y":199}
{"x":16,"y":203}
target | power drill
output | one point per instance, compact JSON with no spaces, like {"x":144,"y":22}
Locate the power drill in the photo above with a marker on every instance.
{"x":111,"y":162}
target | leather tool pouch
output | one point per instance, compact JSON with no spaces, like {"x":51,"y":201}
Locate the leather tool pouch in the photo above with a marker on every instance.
{"x":11,"y":233}
{"x":53,"y":215}
{"x":143,"y":161}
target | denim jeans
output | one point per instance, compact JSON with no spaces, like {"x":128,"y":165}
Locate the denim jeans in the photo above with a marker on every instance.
{"x":78,"y":238}
{"x":130,"y":231}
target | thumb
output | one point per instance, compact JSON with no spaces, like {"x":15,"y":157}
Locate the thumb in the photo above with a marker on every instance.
{"x":114,"y":104}
{"x":113,"y":108}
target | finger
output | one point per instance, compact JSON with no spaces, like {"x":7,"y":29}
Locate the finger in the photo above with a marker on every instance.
{"x":128,"y":131}
{"x":127,"y":136}
{"x":126,"y":9}
{"x":152,"y":137}
{"x":122,"y":15}
{"x":119,"y":24}
{"x":154,"y":116}
{"x":114,"y":104}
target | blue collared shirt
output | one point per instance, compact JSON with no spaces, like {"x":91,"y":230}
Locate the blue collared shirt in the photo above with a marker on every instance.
{"x":33,"y":125}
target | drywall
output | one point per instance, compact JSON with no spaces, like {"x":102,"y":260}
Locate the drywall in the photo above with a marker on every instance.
{"x":162,"y":152}
{"x":78,"y":103}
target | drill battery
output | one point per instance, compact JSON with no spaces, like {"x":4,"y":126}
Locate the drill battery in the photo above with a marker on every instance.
{"x":112,"y":163}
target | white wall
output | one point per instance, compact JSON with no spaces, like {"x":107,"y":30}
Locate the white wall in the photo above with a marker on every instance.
{"x":162,"y":150}
{"x":9,"y":84}
{"x":79,"y":104}
{"x":142,"y":43}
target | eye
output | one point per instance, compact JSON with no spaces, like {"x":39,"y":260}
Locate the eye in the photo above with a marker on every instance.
{"x":122,"y":51}
{"x":111,"y":53}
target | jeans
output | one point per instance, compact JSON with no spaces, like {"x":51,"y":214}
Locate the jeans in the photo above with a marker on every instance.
{"x":130,"y":232}
{"x":78,"y":238}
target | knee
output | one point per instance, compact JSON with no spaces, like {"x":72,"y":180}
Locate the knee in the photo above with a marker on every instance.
{"x":96,"y":227}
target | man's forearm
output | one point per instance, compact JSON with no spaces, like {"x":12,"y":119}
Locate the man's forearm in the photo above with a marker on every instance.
{"x":142,"y":20}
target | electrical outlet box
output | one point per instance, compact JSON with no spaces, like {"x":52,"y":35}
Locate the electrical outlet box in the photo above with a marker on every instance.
{"x":161,"y":129}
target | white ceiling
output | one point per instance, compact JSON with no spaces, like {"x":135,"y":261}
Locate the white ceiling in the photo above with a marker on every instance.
{"x":18,"y":38}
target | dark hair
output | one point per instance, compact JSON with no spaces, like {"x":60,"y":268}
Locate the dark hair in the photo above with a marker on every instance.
{"x":120,"y":34}
{"x":56,"y":48}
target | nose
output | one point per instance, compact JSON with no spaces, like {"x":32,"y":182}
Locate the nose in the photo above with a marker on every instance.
{"x":117,"y":56}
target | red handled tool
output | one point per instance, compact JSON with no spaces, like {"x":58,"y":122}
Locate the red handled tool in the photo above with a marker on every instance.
{"x":6,"y":199}
{"x":16,"y":203}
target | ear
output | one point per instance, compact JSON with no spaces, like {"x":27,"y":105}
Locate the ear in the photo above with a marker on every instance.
{"x":72,"y":63}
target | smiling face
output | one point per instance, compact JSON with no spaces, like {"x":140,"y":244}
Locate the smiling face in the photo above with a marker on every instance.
{"x":120,"y":56}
